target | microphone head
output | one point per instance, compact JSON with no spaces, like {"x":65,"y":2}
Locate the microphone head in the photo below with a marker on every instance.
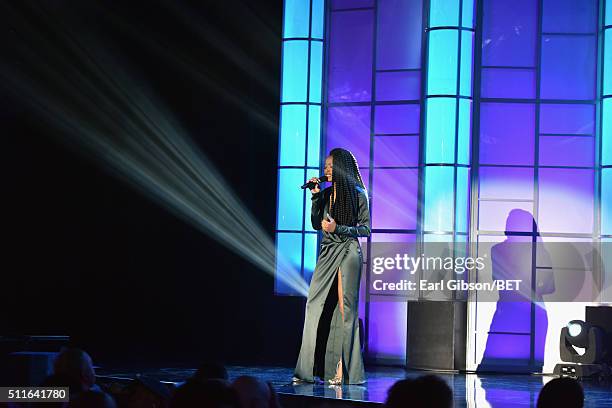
{"x":312,"y":184}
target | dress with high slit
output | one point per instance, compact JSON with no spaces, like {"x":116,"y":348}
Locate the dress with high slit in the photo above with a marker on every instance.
{"x":326,"y":337}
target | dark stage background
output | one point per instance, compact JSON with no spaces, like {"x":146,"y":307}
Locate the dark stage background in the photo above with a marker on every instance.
{"x":85,"y":254}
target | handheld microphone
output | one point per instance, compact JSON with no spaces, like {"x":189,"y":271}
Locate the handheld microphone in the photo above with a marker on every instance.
{"x":312,"y":185}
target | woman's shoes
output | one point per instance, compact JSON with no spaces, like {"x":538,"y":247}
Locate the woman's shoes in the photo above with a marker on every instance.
{"x":297,"y":381}
{"x":337,"y":380}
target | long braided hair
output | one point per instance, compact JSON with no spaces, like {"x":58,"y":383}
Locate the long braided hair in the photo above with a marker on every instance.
{"x":346,"y":177}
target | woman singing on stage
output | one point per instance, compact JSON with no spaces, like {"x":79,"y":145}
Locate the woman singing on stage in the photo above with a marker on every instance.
{"x":331,"y":348}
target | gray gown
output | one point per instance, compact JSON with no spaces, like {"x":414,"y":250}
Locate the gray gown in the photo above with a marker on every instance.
{"x":326,"y":337}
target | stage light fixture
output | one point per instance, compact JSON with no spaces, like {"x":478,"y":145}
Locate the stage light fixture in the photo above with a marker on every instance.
{"x":583,"y":349}
{"x":577,"y":333}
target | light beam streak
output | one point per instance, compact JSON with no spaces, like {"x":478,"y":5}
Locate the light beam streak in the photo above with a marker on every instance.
{"x":105,"y":113}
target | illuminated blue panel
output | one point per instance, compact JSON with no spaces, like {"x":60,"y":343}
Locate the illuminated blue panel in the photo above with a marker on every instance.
{"x":567,"y":151}
{"x":441,"y":76}
{"x":565,"y":118}
{"x":314,"y":136}
{"x":606,"y":135}
{"x":509,"y":144}
{"x":318,"y":16}
{"x":607,"y":62}
{"x":462,"y":199}
{"x":508,"y":83}
{"x":316,"y":69}
{"x":299,"y":138}
{"x":492,"y":216}
{"x":467,"y":16}
{"x":444,"y":13}
{"x":310,"y":255}
{"x":395,"y":86}
{"x":289,"y":247}
{"x":606,"y":201}
{"x":397,"y":119}
{"x":448,"y":120}
{"x":388,"y":334}
{"x":310,"y":173}
{"x":395,"y":201}
{"x":565,"y":77}
{"x":438,"y":203}
{"x":565,"y":200}
{"x":608,"y":14}
{"x":465,"y":76}
{"x":505,"y":183}
{"x":399,"y":34}
{"x":462,"y":248}
{"x":293,"y":135}
{"x":401,"y":151}
{"x":290,"y":199}
{"x":350,"y":53}
{"x":440,"y":122}
{"x":437,"y":238}
{"x":511,"y":27}
{"x":569,"y":16}
{"x":347,"y":4}
{"x":465,"y":131}
{"x":295,"y":71}
{"x":349,"y":127}
{"x":297,"y":15}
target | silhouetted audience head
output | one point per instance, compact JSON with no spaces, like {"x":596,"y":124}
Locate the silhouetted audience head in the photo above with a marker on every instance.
{"x":211,"y":370}
{"x":92,"y":399}
{"x":207,"y":393}
{"x":254,"y":393}
{"x":561,"y":392}
{"x":147,"y":393}
{"x":62,"y":380}
{"x":428,"y":391}
{"x":400,"y":393}
{"x":75,"y":365}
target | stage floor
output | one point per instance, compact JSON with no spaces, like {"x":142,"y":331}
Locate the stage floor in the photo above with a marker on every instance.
{"x":470,"y":390}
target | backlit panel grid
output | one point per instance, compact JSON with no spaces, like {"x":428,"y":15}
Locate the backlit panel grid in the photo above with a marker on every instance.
{"x":448,"y":120}
{"x":536,"y":149}
{"x":606,"y":126}
{"x":300,"y":134}
{"x":373,"y":108}
{"x":604,"y":159}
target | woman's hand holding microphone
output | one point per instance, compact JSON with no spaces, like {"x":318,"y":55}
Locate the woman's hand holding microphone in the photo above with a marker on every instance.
{"x":316,"y":189}
{"x":329,"y":224}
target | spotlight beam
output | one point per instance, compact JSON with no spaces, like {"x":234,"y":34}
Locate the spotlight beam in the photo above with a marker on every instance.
{"x":200,"y":73}
{"x":102,"y":113}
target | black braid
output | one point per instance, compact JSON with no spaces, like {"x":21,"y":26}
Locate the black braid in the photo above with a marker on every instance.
{"x":346,"y":176}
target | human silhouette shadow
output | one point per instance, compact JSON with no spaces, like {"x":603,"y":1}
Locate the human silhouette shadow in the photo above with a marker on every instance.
{"x":508,"y":346}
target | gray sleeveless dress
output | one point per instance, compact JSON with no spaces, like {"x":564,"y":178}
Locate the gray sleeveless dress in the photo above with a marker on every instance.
{"x":326,"y":337}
